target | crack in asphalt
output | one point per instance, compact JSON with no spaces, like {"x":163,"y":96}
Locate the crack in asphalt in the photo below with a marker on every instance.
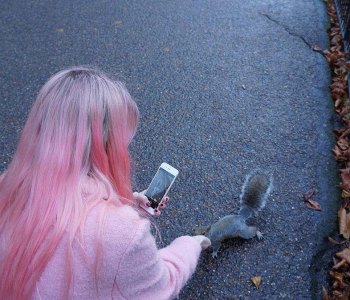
{"x":288,"y":30}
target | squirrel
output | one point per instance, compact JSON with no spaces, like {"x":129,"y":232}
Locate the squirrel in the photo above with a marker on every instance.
{"x":255,"y":190}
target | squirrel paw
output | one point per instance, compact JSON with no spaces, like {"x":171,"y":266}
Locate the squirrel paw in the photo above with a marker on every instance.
{"x":259,"y":235}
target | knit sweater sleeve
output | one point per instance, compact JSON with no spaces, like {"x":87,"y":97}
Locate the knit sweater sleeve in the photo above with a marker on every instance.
{"x":145,"y":272}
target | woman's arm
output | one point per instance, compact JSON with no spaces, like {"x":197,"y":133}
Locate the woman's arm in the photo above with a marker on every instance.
{"x":145,"y":272}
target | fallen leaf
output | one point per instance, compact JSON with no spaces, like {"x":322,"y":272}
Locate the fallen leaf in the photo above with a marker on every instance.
{"x":325,"y":295}
{"x":333,"y":241}
{"x":340,"y":67}
{"x":345,"y":132}
{"x":166,"y":50}
{"x":347,"y":66}
{"x":316,"y":48}
{"x":346,"y":154}
{"x":343,"y":144}
{"x":344,"y":223}
{"x":59,"y":30}
{"x":256,"y":280}
{"x":339,"y":84}
{"x":337,"y":152}
{"x":344,"y":254}
{"x":309,"y":194}
{"x":337,"y":103}
{"x":340,"y":295}
{"x":345,"y":176}
{"x":345,"y":194}
{"x":338,"y":91}
{"x":336,"y":39}
{"x":344,"y":112}
{"x":339,"y":264}
{"x":313,"y":204}
{"x":338,"y":277}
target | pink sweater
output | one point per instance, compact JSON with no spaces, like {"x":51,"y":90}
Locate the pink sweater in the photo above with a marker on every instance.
{"x":132,"y":266}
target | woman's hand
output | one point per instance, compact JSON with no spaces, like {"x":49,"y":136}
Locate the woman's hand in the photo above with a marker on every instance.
{"x":203,"y":241}
{"x":140,"y":198}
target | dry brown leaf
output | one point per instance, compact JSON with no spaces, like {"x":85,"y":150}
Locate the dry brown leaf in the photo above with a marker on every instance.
{"x":338,"y":91}
{"x":344,"y":70}
{"x":344,"y":254}
{"x":344,"y":223}
{"x":343,"y":112}
{"x":346,"y":154}
{"x":345,"y":176}
{"x":338,"y":277}
{"x":316,"y":48}
{"x":309,"y":194}
{"x":338,"y":71}
{"x":345,"y":194}
{"x":256,"y":280}
{"x":343,"y":144}
{"x":337,"y":152}
{"x":325,"y":295}
{"x":337,"y":103}
{"x":340,"y":84}
{"x":339,"y":264}
{"x":336,"y":39}
{"x":333,"y":241}
{"x":313,"y":204}
{"x":340,"y":295}
{"x":345,"y":132}
{"x":338,"y":131}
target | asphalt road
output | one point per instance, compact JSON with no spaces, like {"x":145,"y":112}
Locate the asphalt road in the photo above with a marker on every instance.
{"x":223,"y":87}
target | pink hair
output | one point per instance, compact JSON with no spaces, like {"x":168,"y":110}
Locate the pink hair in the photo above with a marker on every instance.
{"x":79,"y":128}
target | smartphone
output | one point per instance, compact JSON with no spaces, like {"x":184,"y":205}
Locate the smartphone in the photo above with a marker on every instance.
{"x":160,"y":186}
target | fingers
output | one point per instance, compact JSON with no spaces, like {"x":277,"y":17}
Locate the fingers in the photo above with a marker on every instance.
{"x":141,"y":198}
{"x":157,"y":211}
{"x":161,"y":205}
{"x":203,"y":241}
{"x":164,"y":202}
{"x":206,"y":243}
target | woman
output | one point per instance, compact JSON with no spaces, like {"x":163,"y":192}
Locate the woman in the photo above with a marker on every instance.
{"x":69,"y":223}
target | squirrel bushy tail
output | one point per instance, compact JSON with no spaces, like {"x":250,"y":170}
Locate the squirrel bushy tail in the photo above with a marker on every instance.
{"x":255,"y":191}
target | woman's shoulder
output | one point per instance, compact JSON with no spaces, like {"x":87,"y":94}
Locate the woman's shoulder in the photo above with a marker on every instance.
{"x":114,"y":226}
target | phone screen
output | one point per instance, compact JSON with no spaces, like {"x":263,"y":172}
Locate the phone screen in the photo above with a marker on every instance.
{"x":158,"y":187}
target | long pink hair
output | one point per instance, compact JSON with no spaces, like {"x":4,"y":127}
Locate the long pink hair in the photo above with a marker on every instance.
{"x":80,"y":127}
